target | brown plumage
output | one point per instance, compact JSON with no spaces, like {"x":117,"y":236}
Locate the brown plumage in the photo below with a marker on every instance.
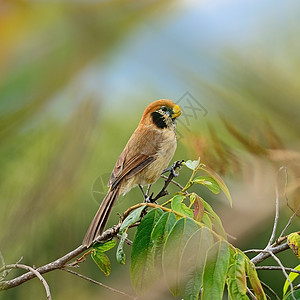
{"x":147,"y":153}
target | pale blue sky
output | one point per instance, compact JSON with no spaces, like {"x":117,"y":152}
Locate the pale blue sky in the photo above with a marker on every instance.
{"x":150,"y":63}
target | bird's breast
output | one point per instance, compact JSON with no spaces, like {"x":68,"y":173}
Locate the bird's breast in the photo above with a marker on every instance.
{"x":160,"y":144}
{"x":162,"y":159}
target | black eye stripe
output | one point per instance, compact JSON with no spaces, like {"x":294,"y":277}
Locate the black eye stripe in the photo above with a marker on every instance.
{"x":159,"y":120}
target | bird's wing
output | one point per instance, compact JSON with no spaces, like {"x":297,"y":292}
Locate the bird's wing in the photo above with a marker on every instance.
{"x":133,"y":166}
{"x":140,"y":151}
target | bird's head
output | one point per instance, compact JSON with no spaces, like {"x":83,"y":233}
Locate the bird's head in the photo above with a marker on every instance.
{"x":162,"y":113}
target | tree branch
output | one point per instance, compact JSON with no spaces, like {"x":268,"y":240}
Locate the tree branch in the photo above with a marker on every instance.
{"x":276,"y":268}
{"x":32,"y":271}
{"x":264,"y":254}
{"x":164,"y":192}
{"x":280,"y":265}
{"x":57,"y":264}
{"x":273,"y":248}
{"x":173,"y":181}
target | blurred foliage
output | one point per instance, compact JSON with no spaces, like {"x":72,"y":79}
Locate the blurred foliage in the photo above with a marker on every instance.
{"x":54,"y":144}
{"x":50,"y":145}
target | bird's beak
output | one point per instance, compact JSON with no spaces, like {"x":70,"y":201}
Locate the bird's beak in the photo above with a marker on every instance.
{"x":176,"y":111}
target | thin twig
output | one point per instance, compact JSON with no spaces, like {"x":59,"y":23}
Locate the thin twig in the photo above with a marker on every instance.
{"x":173,"y":181}
{"x":296,"y":287}
{"x":251,"y":294}
{"x":35,"y":272}
{"x":75,"y":264}
{"x":142,"y":190}
{"x":127,"y":241}
{"x":98,"y":283}
{"x":289,"y":222}
{"x":270,"y":290}
{"x":272,"y":238}
{"x":2,"y":259}
{"x":285,"y":274}
{"x":276,"y":268}
{"x":5,"y":273}
{"x":148,"y":189}
{"x":285,"y":191}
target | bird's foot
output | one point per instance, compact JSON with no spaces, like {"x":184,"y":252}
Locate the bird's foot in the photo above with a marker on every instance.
{"x":149,"y":199}
{"x":176,"y":164}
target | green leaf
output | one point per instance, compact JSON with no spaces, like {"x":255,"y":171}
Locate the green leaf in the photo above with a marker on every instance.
{"x":160,"y":233}
{"x":172,"y":251}
{"x":102,"y":261}
{"x":132,"y":218}
{"x":120,"y":255}
{"x":289,"y":295}
{"x":254,"y":280}
{"x":103,"y":247}
{"x":293,"y":241}
{"x":217,"y":262}
{"x":142,"y":269}
{"x":206,"y":220}
{"x":100,"y":258}
{"x":192,"y":263}
{"x":199,"y":206}
{"x":193,"y":165}
{"x":220,"y":182}
{"x":292,"y":277}
{"x":180,"y":207}
{"x":209,"y":182}
{"x":215,"y":220}
{"x":236,"y":276}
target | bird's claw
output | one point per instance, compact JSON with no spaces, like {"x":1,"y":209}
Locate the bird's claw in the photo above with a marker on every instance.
{"x":147,"y":199}
{"x":173,"y":172}
{"x":176,"y":164}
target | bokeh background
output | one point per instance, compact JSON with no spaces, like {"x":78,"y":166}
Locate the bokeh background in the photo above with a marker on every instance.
{"x":75,"y":77}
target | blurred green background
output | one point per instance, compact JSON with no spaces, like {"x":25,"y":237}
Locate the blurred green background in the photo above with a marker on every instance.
{"x":75,"y":77}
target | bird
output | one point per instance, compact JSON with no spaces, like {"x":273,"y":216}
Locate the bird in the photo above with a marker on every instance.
{"x":146,"y":155}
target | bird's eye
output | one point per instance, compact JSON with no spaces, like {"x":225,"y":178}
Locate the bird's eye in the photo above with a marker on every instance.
{"x":164,"y":108}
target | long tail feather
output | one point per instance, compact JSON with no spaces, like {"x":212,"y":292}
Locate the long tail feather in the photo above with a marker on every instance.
{"x":99,"y":222}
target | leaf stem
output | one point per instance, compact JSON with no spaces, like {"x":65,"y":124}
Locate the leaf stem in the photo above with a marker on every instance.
{"x":189,"y":183}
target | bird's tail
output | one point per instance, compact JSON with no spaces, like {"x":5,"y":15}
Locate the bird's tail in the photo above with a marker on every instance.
{"x":98,"y":224}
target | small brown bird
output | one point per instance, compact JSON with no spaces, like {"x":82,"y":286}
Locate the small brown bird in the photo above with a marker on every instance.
{"x":147,"y":153}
